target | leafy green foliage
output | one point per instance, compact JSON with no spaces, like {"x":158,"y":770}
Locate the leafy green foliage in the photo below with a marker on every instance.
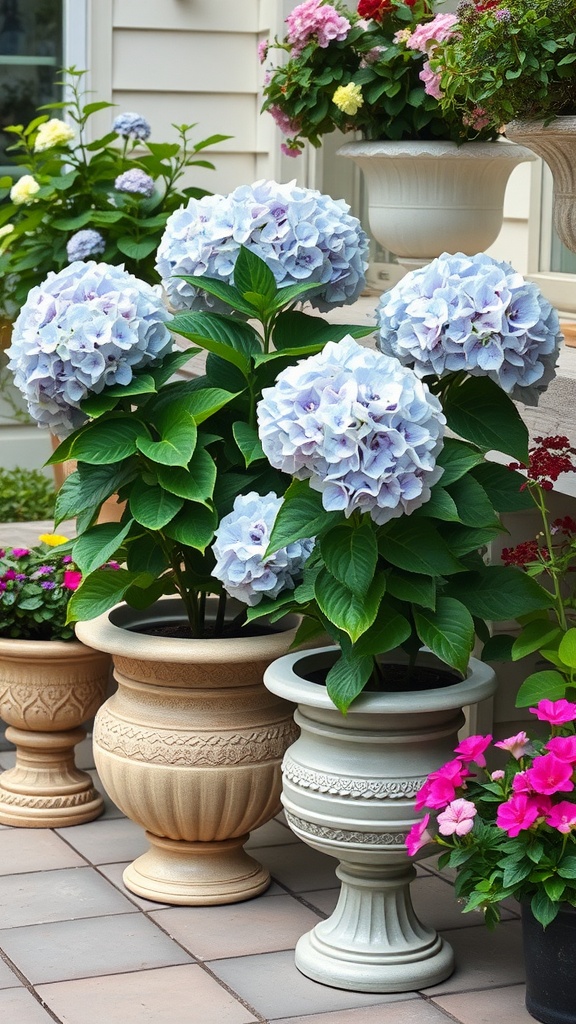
{"x":26,"y":495}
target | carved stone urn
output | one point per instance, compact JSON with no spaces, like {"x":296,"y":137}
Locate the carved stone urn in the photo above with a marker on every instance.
{"x":48,"y":688}
{"x":349,"y":788}
{"x":190,"y":747}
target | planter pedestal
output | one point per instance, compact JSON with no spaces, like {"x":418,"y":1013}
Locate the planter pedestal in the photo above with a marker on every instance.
{"x":556,"y":144}
{"x":349,"y":785}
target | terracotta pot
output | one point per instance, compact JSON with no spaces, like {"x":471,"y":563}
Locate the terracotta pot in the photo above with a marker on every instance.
{"x":556,"y":144}
{"x":426,"y":198}
{"x":349,"y":786}
{"x":47,"y":689}
{"x":190,"y":747}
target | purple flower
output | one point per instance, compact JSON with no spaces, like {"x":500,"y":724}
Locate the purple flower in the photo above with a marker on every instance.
{"x":85,"y":243}
{"x":48,"y":585}
{"x":132,"y":126}
{"x":135,"y":181}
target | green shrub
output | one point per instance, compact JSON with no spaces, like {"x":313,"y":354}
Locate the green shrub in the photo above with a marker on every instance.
{"x":25,"y":495}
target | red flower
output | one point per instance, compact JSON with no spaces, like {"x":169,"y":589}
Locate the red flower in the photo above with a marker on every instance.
{"x":72,"y":579}
{"x":377,"y":9}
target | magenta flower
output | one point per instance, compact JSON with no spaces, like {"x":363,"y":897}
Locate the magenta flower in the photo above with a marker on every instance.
{"x":458,"y":818}
{"x":72,"y":579}
{"x":418,"y":836}
{"x":562,"y":817}
{"x":564,"y":747}
{"x":435,"y":793}
{"x":556,"y":712}
{"x":517,"y":814}
{"x":515,"y":745}
{"x":20,"y":552}
{"x":549,"y":774}
{"x":520,"y":783}
{"x":472,"y":749}
{"x":454,"y":771}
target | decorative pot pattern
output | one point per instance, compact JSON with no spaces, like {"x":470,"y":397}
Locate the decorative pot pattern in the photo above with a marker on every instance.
{"x":349,"y":783}
{"x":426,"y":198}
{"x":47,"y":690}
{"x":190,"y":748}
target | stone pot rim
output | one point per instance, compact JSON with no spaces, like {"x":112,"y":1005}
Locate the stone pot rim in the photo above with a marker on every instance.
{"x":106,"y":635}
{"x":437,"y":148}
{"x":562,"y":124}
{"x":479,"y":684}
{"x":41,"y":649}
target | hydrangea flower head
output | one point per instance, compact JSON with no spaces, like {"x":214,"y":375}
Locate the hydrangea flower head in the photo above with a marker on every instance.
{"x":88,"y":326}
{"x":23,"y":191}
{"x":472,"y":314}
{"x":240,"y":544}
{"x":85,"y":243}
{"x":315,"y":20}
{"x":52,"y":133}
{"x":302,"y":235}
{"x":364,"y":430}
{"x":135,"y":181}
{"x":132,"y":126}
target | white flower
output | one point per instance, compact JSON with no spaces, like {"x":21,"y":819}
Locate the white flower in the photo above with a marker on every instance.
{"x":23,"y":191}
{"x":52,"y":133}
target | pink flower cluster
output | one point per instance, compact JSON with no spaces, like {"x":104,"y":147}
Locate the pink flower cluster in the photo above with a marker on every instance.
{"x":423,"y":39}
{"x":314,"y":19}
{"x":531,"y":792}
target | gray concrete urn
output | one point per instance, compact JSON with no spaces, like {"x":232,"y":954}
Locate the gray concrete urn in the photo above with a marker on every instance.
{"x":348,"y":790}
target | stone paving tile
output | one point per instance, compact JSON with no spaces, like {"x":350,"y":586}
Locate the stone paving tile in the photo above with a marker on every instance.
{"x":484,"y":959}
{"x":495,"y":1004}
{"x":7,"y":759}
{"x":411,"y":1010}
{"x":35,"y":849}
{"x":7,"y":977}
{"x":261,"y":925}
{"x":298,"y":867}
{"x":271,"y":984}
{"x":65,"y":950}
{"x":18,"y":1006}
{"x":106,"y":841}
{"x":83,"y":754}
{"x":67,"y":894}
{"x":172,"y":995}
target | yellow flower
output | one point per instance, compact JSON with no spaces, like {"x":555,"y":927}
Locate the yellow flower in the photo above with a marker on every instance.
{"x":23,"y":191}
{"x":53,"y":539}
{"x":348,"y":98}
{"x":52,"y":133}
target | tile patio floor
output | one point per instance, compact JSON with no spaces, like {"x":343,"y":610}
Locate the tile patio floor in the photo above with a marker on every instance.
{"x":77,"y":948}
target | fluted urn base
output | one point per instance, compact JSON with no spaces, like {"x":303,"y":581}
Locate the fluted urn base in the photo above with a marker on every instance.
{"x":196,"y":874}
{"x":45,"y":789}
{"x":373,"y":941}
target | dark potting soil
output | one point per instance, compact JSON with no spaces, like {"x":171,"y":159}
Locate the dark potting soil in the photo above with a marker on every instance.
{"x":396,"y":678}
{"x":181,"y":631}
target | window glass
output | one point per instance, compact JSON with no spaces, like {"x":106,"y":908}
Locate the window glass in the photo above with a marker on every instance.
{"x":30,"y":58}
{"x":561,"y":259}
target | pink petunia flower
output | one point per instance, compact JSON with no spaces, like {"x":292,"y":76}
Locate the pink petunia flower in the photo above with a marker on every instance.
{"x":472,"y":749}
{"x":549,"y":775}
{"x":564,"y":747}
{"x":515,"y":745}
{"x":457,"y":819}
{"x":418,"y":836}
{"x":517,"y":814}
{"x":562,"y":816}
{"x":556,"y":712}
{"x":72,"y":579}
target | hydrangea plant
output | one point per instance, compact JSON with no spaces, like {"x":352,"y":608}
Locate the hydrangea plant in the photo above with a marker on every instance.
{"x":509,"y":832}
{"x":400,"y":508}
{"x":79,"y":198}
{"x":302,"y":236}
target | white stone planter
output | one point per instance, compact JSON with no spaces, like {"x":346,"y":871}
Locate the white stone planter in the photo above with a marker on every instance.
{"x":349,"y":783}
{"x":426,"y":198}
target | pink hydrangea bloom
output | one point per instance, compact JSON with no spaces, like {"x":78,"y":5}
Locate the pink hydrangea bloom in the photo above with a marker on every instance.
{"x":315,"y":19}
{"x":418,"y":836}
{"x":290,"y":150}
{"x":435,"y":31}
{"x":562,"y":816}
{"x":556,"y":712}
{"x":457,"y":819}
{"x":564,"y":747}
{"x":517,"y":814}
{"x":472,"y":749}
{"x":431,"y":81}
{"x":549,"y":774}
{"x":515,"y":745}
{"x":262,"y":50}
{"x":286,"y":124}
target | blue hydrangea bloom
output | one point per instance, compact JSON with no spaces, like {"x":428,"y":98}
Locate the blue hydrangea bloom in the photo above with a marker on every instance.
{"x":239,"y":546}
{"x":88,"y":326}
{"x":132,"y":126}
{"x":135,"y":181}
{"x":472,"y":314}
{"x":302,"y":235}
{"x":85,"y":243}
{"x":362,"y":428}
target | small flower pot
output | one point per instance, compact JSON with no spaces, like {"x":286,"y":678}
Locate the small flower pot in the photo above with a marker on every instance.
{"x":549,"y":957}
